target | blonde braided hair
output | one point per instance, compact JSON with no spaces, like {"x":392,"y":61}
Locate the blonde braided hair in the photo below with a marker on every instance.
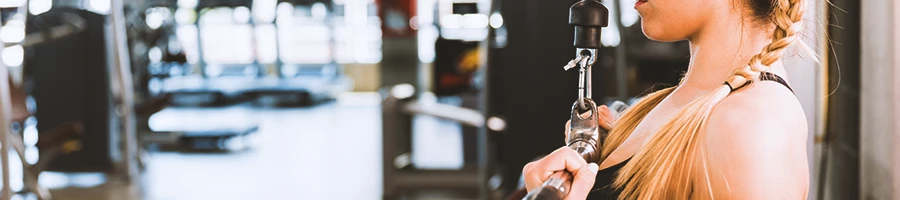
{"x":786,"y":15}
{"x":667,"y":166}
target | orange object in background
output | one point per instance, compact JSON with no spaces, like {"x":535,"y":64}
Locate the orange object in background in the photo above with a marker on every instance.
{"x":455,"y":64}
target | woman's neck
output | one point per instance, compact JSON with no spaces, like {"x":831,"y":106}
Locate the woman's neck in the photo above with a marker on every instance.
{"x":720,"y":48}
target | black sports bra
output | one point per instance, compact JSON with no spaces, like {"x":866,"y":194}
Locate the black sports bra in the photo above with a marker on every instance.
{"x":768,"y":76}
{"x":603,"y":188}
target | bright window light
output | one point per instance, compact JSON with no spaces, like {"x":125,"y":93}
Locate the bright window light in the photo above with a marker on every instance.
{"x":319,"y":11}
{"x":630,"y":16}
{"x":250,"y":70}
{"x":36,"y":7}
{"x":86,"y":180}
{"x":427,"y":35}
{"x":13,"y":31}
{"x":54,"y":180}
{"x":15,"y":169}
{"x":425,"y":12}
{"x":496,"y":20}
{"x":185,"y":16}
{"x":30,"y":136}
{"x":266,"y":43}
{"x":11,"y":3}
{"x":187,"y":3}
{"x":213,"y":70}
{"x":284,"y":10}
{"x":475,"y":20}
{"x":611,"y":36}
{"x":241,"y":15}
{"x":32,"y":155}
{"x":451,"y":21}
{"x":289,"y":71}
{"x":13,"y":56}
{"x":155,"y":19}
{"x":155,"y":54}
{"x":100,"y":6}
{"x":187,"y":36}
{"x":264,"y":10}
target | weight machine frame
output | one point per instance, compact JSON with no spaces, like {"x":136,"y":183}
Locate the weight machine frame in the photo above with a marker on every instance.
{"x":398,"y":108}
{"x":121,"y":87}
{"x":5,"y":116}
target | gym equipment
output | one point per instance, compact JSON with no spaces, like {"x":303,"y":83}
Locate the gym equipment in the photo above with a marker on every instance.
{"x":61,"y":139}
{"x":453,"y":69}
{"x":89,"y":81}
{"x":189,"y":129}
{"x":585,"y":135}
{"x":398,"y":108}
{"x":477,"y":178}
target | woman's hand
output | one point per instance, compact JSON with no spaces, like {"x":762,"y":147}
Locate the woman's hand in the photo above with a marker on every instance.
{"x":566,"y":159}
{"x":605,"y":119}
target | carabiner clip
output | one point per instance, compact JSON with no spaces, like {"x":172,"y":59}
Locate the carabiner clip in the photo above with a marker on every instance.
{"x":584,"y":75}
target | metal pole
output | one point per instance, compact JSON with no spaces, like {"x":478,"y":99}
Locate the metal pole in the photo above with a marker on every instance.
{"x":484,"y":144}
{"x":485,"y":148}
{"x":396,"y":141}
{"x":254,"y":44}
{"x":278,"y":63}
{"x":621,"y":55}
{"x":5,"y":115}
{"x":121,"y":73}
{"x":464,"y":116}
{"x":201,"y":63}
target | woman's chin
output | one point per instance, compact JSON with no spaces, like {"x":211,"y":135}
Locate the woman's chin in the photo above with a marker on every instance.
{"x":659,"y":34}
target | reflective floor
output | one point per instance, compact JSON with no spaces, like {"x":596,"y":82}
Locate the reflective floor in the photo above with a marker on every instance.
{"x":330,"y":151}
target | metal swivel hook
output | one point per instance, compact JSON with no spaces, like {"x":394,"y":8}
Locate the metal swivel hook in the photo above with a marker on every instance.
{"x":584,"y":81}
{"x":584,"y":78}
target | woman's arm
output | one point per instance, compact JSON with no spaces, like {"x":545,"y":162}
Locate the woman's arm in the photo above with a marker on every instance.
{"x":756,"y":146}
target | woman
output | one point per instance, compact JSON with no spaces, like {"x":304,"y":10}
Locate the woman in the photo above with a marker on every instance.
{"x":702,"y":139}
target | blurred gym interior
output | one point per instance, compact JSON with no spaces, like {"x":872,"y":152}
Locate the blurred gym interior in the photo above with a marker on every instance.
{"x":375,"y":99}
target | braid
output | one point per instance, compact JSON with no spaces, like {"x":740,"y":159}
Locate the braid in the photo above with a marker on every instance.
{"x":786,"y":15}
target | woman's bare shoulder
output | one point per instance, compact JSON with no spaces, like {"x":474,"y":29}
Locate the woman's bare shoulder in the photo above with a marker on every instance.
{"x":763,"y":108}
{"x":756,"y":143}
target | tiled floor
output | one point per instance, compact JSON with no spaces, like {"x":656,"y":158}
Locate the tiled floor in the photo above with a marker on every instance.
{"x":330,"y":151}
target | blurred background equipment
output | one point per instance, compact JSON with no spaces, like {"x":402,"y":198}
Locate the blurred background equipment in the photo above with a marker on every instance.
{"x":372,"y":99}
{"x":282,"y":51}
{"x":67,"y":88}
{"x":86,"y":122}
